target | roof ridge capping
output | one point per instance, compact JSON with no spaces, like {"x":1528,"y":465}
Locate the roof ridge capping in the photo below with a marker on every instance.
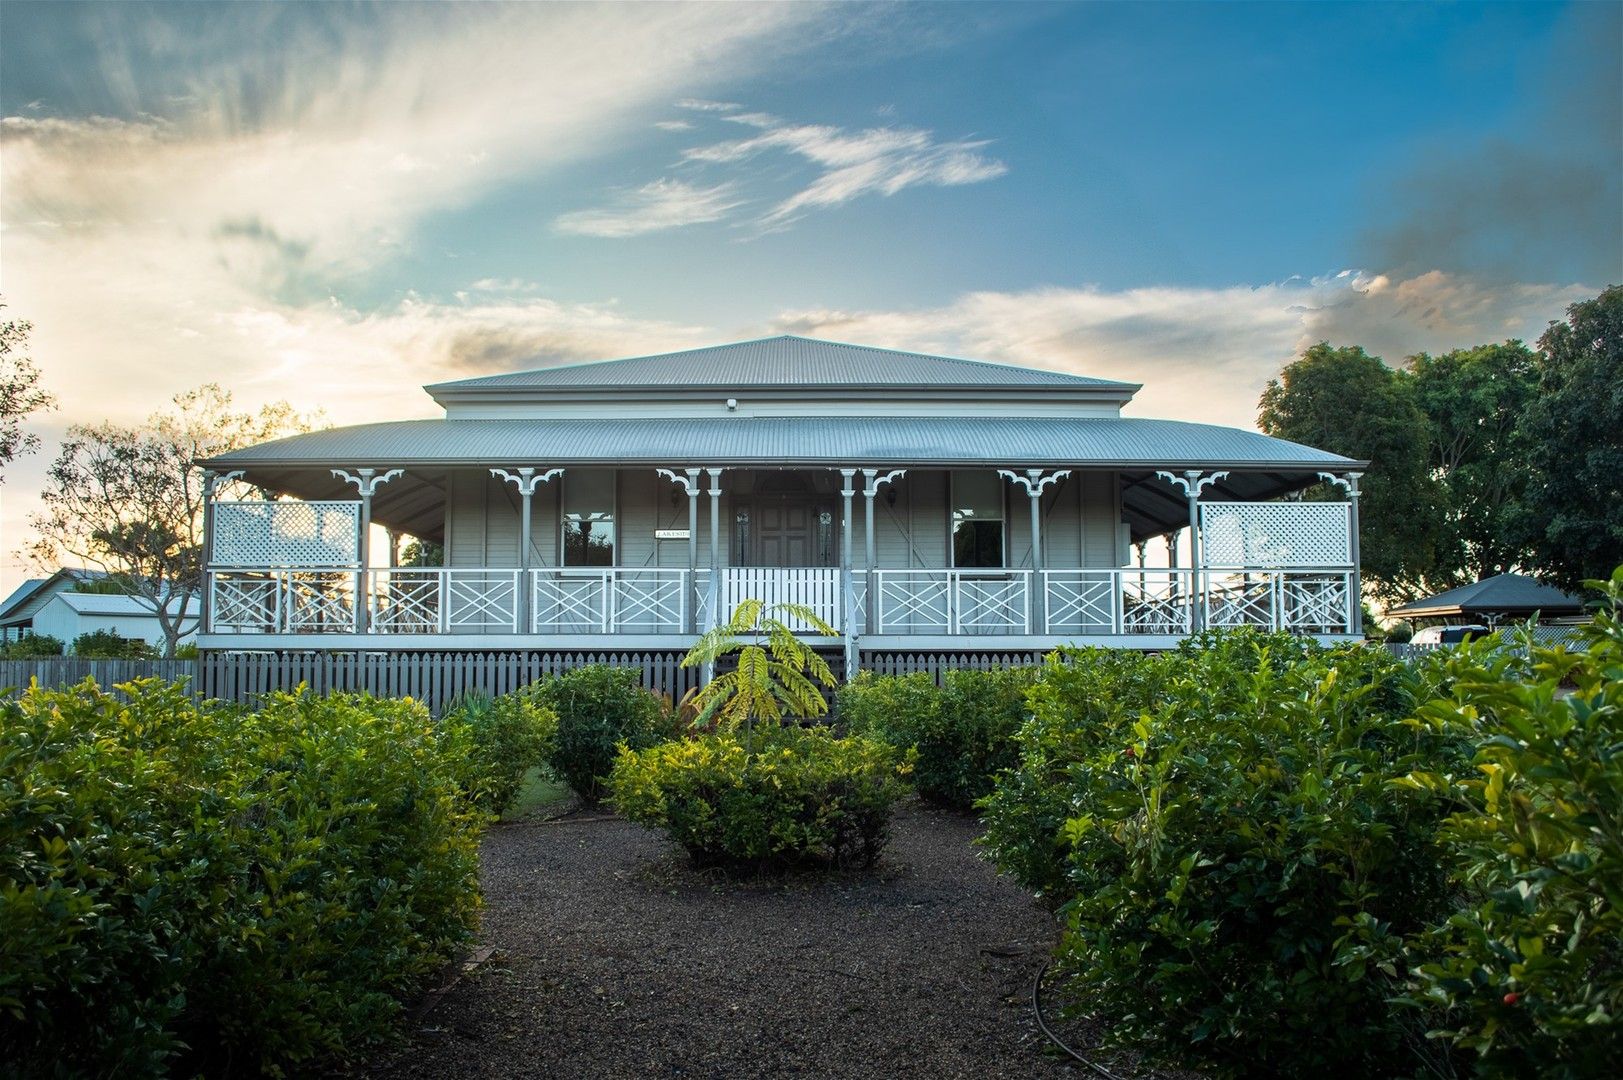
{"x":783,"y":360}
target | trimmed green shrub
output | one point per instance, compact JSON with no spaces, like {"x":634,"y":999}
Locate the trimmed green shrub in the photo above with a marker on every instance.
{"x":599,"y":707}
{"x":1242,"y":876}
{"x":494,"y":742}
{"x":31,"y":647}
{"x":110,"y":645}
{"x":203,"y":889}
{"x":770,"y":798}
{"x":1530,"y":970}
{"x":1085,"y":701}
{"x":964,"y":731}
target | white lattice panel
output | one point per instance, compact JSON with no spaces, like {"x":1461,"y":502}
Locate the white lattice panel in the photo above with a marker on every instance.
{"x":1271,"y":534}
{"x":286,"y":534}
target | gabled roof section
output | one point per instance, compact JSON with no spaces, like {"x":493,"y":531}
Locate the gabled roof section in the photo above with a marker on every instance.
{"x":781,"y":363}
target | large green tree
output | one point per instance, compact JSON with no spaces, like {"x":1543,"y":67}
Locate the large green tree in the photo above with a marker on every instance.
{"x":1474,"y":401}
{"x":1572,"y":518}
{"x":1350,"y":403}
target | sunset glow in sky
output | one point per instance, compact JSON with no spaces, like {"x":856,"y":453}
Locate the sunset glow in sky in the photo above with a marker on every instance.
{"x":335,"y":204}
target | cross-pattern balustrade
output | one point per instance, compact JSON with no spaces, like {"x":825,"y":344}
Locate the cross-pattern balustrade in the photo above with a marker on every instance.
{"x":1077,"y":603}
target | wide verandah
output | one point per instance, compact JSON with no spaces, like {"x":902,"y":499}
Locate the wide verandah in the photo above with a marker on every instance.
{"x":545,"y":556}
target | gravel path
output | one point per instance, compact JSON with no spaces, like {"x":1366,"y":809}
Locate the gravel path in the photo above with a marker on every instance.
{"x":614,"y":959}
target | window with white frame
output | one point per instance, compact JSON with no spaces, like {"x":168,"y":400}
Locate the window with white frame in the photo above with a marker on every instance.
{"x":977,"y":518}
{"x":588,"y":517}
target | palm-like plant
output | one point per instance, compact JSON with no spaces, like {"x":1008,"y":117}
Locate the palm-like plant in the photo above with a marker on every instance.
{"x":776,"y":670}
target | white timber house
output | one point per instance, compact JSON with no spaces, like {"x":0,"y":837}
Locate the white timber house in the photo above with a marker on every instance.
{"x":920,"y":504}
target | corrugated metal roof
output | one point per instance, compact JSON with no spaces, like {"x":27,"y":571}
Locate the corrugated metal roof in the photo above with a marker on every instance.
{"x":1501,"y":594}
{"x":735,"y":440}
{"x":113,"y":604}
{"x":783,"y":362}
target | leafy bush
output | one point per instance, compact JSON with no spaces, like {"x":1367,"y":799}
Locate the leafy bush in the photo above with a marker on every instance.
{"x":599,"y":707}
{"x":1530,"y":971}
{"x":1400,"y":632}
{"x":963,"y":732}
{"x":31,"y":647}
{"x":495,"y":741}
{"x":773,"y":797}
{"x":1086,"y":701}
{"x":203,"y":889}
{"x":1241,"y":873}
{"x":110,"y":645}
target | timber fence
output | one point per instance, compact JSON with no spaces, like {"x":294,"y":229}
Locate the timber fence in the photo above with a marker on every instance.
{"x":57,"y":671}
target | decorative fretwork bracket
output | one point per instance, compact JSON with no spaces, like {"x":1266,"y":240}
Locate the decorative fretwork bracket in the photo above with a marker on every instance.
{"x":872,"y":481}
{"x":367,"y":481}
{"x":1347,"y":482}
{"x":689,"y":482}
{"x":215,"y":483}
{"x":1193,"y":481}
{"x":1034,"y":481}
{"x":526,"y":478}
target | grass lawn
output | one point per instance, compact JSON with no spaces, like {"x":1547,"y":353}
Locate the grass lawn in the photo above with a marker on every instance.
{"x":541,"y":794}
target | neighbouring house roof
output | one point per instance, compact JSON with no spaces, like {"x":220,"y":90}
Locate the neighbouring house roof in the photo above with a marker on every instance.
{"x":784,"y":362}
{"x":113,"y":604}
{"x":19,"y":596}
{"x":1262,"y":467}
{"x":34,"y":593}
{"x":1500,"y":596}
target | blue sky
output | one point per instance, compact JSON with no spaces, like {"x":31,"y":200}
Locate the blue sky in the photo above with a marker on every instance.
{"x":337,"y":203}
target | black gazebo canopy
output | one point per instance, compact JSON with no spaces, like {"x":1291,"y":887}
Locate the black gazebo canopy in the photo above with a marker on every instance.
{"x":1505,"y":596}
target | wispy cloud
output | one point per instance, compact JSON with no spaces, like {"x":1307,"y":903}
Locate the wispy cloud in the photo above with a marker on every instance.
{"x":848,"y":164}
{"x":663,"y":204}
{"x":1204,"y":353}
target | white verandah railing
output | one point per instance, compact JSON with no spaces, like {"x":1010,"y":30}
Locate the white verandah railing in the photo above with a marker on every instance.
{"x":1104,"y":602}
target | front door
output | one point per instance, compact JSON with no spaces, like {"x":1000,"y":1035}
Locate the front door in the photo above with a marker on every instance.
{"x":790,"y":532}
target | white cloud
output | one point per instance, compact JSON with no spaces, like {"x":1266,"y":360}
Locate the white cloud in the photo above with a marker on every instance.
{"x":1203,"y":354}
{"x":701,"y":105}
{"x":674,"y":125}
{"x":663,"y":204}
{"x":848,"y":164}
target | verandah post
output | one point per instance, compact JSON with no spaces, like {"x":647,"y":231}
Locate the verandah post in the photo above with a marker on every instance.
{"x":1034,"y":481}
{"x":1193,"y":482}
{"x":872,"y":482}
{"x":689,"y":480}
{"x":1348,"y":482}
{"x":713,"y":590}
{"x":847,"y":491}
{"x":366,"y":482}
{"x":526,"y":479}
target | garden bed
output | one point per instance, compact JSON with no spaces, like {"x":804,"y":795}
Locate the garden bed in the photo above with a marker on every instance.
{"x":614,"y":958}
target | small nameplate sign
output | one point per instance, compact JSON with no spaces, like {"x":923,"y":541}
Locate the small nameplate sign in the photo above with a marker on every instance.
{"x":670,"y":534}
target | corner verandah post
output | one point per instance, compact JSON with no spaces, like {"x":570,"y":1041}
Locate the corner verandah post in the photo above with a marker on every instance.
{"x":1348,"y":482}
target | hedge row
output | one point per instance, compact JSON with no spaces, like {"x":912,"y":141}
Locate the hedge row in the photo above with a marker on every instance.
{"x":1271,"y":858}
{"x":202,"y":889}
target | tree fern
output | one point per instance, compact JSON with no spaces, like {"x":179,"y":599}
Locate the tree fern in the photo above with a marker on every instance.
{"x":778,"y":675}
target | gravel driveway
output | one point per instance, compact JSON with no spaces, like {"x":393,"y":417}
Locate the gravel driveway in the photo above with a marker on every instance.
{"x":614,"y":959}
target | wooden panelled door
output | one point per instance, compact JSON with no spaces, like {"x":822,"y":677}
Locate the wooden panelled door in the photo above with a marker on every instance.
{"x":790,"y":532}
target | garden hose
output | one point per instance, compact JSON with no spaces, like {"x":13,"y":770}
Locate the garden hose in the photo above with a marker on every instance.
{"x":1042,"y":1022}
